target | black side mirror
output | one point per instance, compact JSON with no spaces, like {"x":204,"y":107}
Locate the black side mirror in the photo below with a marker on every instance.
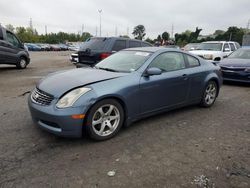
{"x":152,"y":71}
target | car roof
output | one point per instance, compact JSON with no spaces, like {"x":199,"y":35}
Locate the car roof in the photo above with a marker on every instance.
{"x":151,"y":49}
{"x":118,"y":38}
{"x":217,"y":41}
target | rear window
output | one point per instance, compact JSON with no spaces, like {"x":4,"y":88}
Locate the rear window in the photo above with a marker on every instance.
{"x":95,"y":44}
{"x":134,"y":44}
{"x":119,"y":45}
{"x":143,"y":44}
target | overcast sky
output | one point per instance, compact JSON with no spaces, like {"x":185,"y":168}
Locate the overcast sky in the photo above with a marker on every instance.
{"x":156,"y":15}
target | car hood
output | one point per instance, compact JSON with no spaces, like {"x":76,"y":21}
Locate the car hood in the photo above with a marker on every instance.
{"x":234,"y":62}
{"x":203,"y":52}
{"x":59,"y":83}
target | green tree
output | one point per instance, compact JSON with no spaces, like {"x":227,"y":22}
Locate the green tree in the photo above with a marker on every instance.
{"x":10,"y":27}
{"x":149,"y":40}
{"x":139,"y":32}
{"x":165,"y":36}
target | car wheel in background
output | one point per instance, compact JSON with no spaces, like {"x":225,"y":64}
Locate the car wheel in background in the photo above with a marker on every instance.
{"x":105,"y":119}
{"x":22,"y":64}
{"x":210,"y":94}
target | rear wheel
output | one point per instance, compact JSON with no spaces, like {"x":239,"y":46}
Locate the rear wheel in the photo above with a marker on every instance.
{"x":105,"y":119}
{"x":22,"y":64}
{"x":210,"y":94}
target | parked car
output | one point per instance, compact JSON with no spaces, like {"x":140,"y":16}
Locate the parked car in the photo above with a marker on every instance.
{"x":127,"y":86}
{"x":33,"y":47}
{"x":99,"y":48}
{"x":215,"y":50}
{"x":12,"y":50}
{"x":63,"y":47}
{"x":237,"y":66}
{"x":191,"y":46}
{"x":172,"y":46}
{"x":74,"y":47}
{"x":55,"y":47}
{"x":44,"y":47}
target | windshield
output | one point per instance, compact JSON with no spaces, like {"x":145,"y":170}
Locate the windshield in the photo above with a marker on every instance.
{"x":241,"y":54}
{"x":210,"y":46}
{"x":94,"y":44}
{"x":190,"y":47}
{"x":124,"y":61}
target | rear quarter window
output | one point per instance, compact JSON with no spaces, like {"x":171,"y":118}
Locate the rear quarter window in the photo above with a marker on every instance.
{"x":192,"y":61}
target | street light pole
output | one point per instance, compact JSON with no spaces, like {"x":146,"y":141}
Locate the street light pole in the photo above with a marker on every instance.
{"x":100,"y":13}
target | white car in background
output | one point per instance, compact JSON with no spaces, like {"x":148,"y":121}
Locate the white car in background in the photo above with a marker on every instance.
{"x":215,"y":50}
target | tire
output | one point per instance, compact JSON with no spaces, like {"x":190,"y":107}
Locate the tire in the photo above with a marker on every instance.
{"x":22,"y":64}
{"x":209,"y":94}
{"x":105,"y":119}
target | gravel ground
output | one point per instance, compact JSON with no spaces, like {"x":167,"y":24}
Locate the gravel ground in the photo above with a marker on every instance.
{"x":190,"y":147}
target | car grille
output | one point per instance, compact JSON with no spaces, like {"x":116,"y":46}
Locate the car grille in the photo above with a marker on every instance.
{"x":41,"y":97}
{"x":235,"y":69}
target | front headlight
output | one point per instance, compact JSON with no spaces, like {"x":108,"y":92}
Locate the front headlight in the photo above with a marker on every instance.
{"x":71,"y":97}
{"x":208,"y":56}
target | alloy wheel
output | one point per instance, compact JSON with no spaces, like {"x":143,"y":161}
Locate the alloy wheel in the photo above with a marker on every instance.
{"x":105,"y":120}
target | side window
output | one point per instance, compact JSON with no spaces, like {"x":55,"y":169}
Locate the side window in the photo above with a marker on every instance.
{"x":193,"y":62}
{"x":1,"y":34}
{"x":12,"y":39}
{"x":143,"y":44}
{"x":237,"y":45}
{"x":232,"y":46}
{"x":134,"y":44}
{"x":119,"y":45}
{"x":226,"y":46}
{"x":169,"y":61}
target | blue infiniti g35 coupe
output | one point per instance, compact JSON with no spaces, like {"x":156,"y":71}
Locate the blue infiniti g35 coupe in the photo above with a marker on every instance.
{"x":127,"y":86}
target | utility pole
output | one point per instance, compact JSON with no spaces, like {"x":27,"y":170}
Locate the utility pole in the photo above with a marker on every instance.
{"x":82,"y":28}
{"x":248,"y":25}
{"x":128,"y":31}
{"x":100,"y":13}
{"x":46,"y":30}
{"x":31,"y":24}
{"x":96,"y":28}
{"x":116,"y":31}
{"x":172,"y":31}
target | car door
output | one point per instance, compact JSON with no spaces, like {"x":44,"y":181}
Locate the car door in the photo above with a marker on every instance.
{"x":11,"y":47}
{"x":196,"y":78}
{"x":168,"y":89}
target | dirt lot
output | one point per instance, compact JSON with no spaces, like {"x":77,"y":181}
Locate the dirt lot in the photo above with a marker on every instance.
{"x":190,"y":147}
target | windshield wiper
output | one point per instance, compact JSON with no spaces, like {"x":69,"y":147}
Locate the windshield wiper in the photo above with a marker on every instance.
{"x":106,"y":69}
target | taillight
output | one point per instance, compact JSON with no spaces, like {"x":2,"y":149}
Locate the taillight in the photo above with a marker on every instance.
{"x":104,"y":55}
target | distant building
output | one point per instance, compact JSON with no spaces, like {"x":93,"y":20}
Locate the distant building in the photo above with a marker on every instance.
{"x":246,"y":40}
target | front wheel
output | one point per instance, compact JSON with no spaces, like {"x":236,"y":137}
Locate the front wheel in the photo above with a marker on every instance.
{"x":210,"y":94}
{"x":22,"y":64}
{"x":105,"y":119}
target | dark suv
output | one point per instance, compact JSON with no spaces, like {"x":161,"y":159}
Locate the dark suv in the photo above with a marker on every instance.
{"x":98,"y":48}
{"x":12,"y":51}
